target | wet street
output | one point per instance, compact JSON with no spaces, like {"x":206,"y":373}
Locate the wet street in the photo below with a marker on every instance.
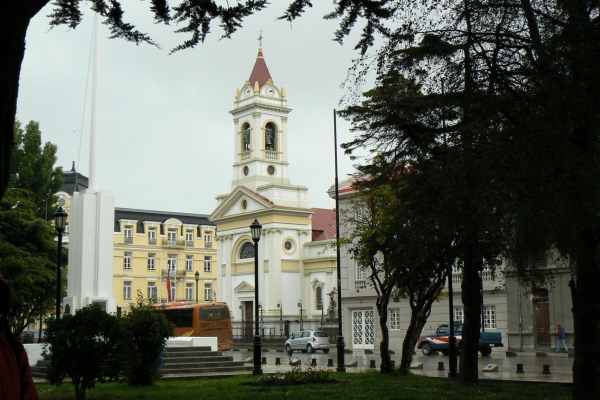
{"x":560,"y":365}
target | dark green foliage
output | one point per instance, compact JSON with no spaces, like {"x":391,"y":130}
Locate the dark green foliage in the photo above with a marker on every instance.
{"x":28,"y":255}
{"x":86,"y":347}
{"x":146,"y":331}
{"x":33,"y":168}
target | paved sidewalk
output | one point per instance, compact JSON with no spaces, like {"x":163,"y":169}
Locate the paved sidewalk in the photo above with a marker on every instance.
{"x":560,"y":364}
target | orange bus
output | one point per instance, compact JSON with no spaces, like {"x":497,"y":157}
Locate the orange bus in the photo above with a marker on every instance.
{"x":204,"y":320}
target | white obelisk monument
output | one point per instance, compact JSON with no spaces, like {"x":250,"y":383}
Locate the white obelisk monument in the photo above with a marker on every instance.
{"x":92,"y":224}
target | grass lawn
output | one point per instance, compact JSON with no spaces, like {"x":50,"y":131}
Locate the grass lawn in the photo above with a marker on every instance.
{"x":370,"y":385}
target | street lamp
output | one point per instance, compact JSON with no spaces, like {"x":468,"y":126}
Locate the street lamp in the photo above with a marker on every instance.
{"x":301,"y":321}
{"x":262,"y":324}
{"x":279,"y":305}
{"x":197,"y":276}
{"x":60,"y":221}
{"x":452,"y":347}
{"x":255,"y":230}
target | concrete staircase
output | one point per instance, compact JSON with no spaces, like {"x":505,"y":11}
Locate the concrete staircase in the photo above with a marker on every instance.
{"x":190,"y":362}
{"x":182,"y":363}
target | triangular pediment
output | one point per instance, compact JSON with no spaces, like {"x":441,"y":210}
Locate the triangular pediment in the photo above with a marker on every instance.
{"x":241,"y":201}
{"x":244,"y":287}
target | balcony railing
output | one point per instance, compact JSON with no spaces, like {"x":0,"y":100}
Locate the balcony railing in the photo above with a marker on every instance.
{"x":271,"y":155}
{"x":361,"y":284}
{"x":189,"y":243}
{"x":245,"y":155}
{"x":128,"y":240}
{"x":178,"y":272}
{"x":208,"y":245}
{"x":152,"y":241}
{"x":173,"y":243}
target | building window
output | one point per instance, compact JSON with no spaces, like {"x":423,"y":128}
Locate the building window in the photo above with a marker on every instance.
{"x":189,"y":263}
{"x":172,"y":237}
{"x":207,"y":263}
{"x":152,"y":290}
{"x":459,"y":314}
{"x":151,"y":261}
{"x":171,"y":262}
{"x":189,"y":290}
{"x":247,"y":250}
{"x":173,"y":293}
{"x":207,"y":239}
{"x":246,"y":137}
{"x":489,"y":317}
{"x":127,"y":260}
{"x":208,"y":291}
{"x":126,"y":290}
{"x":319,"y":295}
{"x":189,"y":238}
{"x":152,"y":236}
{"x":128,"y":234}
{"x":394,"y":318}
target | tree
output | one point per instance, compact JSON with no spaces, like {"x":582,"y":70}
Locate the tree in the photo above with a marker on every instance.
{"x":146,"y":330}
{"x":33,"y":167}
{"x":87,"y":347}
{"x":28,"y":259}
{"x":403,"y":257}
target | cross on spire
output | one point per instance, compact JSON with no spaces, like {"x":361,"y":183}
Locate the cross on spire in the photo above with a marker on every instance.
{"x":260,"y":38}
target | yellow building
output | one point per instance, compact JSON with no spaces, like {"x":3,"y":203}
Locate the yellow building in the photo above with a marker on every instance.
{"x":147,"y":244}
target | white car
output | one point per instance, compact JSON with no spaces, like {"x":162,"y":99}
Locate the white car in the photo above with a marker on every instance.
{"x":308,"y":341}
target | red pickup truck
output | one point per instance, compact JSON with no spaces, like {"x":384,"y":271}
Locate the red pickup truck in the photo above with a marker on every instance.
{"x":439,"y":340}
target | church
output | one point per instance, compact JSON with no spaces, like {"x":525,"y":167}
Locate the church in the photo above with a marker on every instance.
{"x":296,"y":252}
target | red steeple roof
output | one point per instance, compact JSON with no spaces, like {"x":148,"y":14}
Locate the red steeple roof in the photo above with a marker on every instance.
{"x":260,"y":72}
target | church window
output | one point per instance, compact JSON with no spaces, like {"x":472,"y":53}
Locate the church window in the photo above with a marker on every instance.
{"x":288,"y":245}
{"x":271,"y":137}
{"x":246,"y":137}
{"x":319,"y":294}
{"x":244,"y":204}
{"x":246,"y":170}
{"x":271,"y":170}
{"x":247,"y":250}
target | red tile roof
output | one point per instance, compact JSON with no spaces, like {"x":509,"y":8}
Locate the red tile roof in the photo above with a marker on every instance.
{"x":260,"y":72}
{"x":323,"y":224}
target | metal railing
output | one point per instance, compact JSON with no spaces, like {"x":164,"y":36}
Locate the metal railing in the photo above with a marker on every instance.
{"x":272,"y":330}
{"x":245,"y":155}
{"x":208,"y":245}
{"x":128,"y":240}
{"x":152,"y":241}
{"x":178,"y":272}
{"x":189,"y":243}
{"x":173,"y":243}
{"x":361,"y":284}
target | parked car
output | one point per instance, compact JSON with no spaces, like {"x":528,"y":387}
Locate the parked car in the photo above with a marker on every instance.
{"x":439,"y":340}
{"x":31,"y":336}
{"x":308,"y":341}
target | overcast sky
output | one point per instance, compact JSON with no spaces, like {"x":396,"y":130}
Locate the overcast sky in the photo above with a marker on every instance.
{"x":166,"y":135}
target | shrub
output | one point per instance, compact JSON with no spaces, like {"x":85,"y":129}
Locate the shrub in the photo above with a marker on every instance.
{"x":85,"y":347}
{"x":146,"y":330}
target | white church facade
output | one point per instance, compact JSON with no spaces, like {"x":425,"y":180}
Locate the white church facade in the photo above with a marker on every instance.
{"x":296,"y":253}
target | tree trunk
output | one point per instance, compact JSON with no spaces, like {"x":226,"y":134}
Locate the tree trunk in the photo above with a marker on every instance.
{"x":472,"y":300}
{"x":586,"y":319}
{"x":14,"y":21}
{"x":418,"y":318}
{"x":384,"y":347}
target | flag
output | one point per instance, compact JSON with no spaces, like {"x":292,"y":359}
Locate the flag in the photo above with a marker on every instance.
{"x":169,"y":299}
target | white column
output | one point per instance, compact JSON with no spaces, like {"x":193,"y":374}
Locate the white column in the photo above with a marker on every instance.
{"x":93,"y":179}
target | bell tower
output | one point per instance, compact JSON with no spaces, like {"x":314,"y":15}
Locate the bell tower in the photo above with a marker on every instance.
{"x":260,"y":130}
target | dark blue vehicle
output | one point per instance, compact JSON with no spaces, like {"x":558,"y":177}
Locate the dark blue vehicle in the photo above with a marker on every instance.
{"x":440,"y":339}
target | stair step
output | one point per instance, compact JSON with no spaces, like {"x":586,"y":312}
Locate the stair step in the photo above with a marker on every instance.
{"x":186,"y":349}
{"x":197,"y":359}
{"x":204,"y":370}
{"x":203,"y":365}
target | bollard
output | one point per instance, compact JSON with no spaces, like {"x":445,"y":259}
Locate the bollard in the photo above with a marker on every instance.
{"x":264,"y":360}
{"x":277,"y":361}
{"x":372,"y":364}
{"x":441,"y":366}
{"x":330,"y":362}
{"x":520,"y":369}
{"x":314,"y":362}
{"x":546,"y":369}
{"x":393,"y":364}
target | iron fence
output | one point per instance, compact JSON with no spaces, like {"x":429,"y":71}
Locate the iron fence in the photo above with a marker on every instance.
{"x":273,"y":330}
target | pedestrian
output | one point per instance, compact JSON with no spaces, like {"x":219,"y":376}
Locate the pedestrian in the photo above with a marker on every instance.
{"x":560,"y":338}
{"x":15,"y":375}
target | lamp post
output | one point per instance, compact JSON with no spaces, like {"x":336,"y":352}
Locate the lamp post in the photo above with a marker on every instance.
{"x":279,"y":305}
{"x":60,"y":221}
{"x":301,"y":321}
{"x":262,"y":323}
{"x":255,"y":230}
{"x":243,"y":322}
{"x":197,"y":276}
{"x":452,"y":348}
